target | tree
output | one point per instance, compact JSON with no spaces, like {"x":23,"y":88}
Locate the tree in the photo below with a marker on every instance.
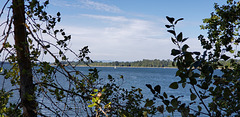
{"x":23,"y":60}
{"x":197,"y":69}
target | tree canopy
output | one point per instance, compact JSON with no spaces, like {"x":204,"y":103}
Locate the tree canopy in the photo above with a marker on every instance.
{"x":197,"y":69}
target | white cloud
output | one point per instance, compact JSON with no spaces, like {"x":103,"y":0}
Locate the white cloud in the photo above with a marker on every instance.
{"x":87,"y":4}
{"x":100,"y":6}
{"x":112,"y":18}
{"x":122,"y":39}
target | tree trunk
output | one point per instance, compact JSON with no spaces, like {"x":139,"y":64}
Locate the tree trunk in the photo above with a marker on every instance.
{"x":27,"y":96}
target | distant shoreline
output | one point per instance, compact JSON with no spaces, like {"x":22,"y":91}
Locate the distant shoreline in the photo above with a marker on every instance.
{"x":123,"y":66}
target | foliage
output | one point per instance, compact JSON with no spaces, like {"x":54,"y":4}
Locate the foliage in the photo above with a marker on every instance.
{"x":111,"y":99}
{"x":197,"y":69}
{"x":8,"y":110}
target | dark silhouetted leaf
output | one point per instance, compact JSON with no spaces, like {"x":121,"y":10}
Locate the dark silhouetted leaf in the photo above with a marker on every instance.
{"x":170,"y":19}
{"x":175,"y":52}
{"x":204,"y":97}
{"x":193,"y":81}
{"x":165,"y":95}
{"x":170,"y":109}
{"x":160,"y":108}
{"x":196,"y":53}
{"x":58,"y":14}
{"x":169,"y":26}
{"x":172,"y":31}
{"x":185,"y":47}
{"x":157,"y":88}
{"x":166,"y":102}
{"x":184,"y":39}
{"x":150,"y":87}
{"x":149,"y":103}
{"x":174,"y":85}
{"x":180,"y":37}
{"x":199,"y":108}
{"x":193,"y":96}
{"x":178,"y":20}
{"x":174,"y":102}
{"x":225,"y":57}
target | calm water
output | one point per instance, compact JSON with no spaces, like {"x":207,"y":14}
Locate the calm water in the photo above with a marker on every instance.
{"x":139,"y":77}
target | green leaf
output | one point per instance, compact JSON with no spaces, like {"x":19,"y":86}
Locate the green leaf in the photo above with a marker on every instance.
{"x":95,"y":90}
{"x":149,"y":103}
{"x":93,"y":99}
{"x":170,"y":19}
{"x":92,"y":105}
{"x":174,"y":103}
{"x":193,"y":96}
{"x":170,"y":109}
{"x":174,"y":85}
{"x":160,"y":108}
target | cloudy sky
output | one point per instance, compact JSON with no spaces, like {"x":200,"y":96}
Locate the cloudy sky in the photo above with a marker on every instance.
{"x":129,"y":30}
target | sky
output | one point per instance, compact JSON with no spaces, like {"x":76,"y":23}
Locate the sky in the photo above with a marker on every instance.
{"x":130,"y":30}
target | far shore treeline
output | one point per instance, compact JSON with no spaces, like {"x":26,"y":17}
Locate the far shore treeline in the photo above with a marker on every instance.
{"x":139,"y":63}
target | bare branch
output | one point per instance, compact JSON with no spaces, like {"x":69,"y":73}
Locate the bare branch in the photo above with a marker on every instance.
{"x":4,"y":7}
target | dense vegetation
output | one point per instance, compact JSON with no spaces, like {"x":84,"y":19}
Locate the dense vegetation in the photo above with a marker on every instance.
{"x":197,"y":69}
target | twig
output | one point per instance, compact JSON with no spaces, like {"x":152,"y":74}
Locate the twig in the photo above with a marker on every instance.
{"x":209,"y":113}
{"x":6,"y":37}
{"x":103,"y":112}
{"x":4,"y":8}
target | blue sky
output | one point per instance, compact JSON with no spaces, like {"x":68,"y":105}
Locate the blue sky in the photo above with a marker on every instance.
{"x":129,"y":30}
